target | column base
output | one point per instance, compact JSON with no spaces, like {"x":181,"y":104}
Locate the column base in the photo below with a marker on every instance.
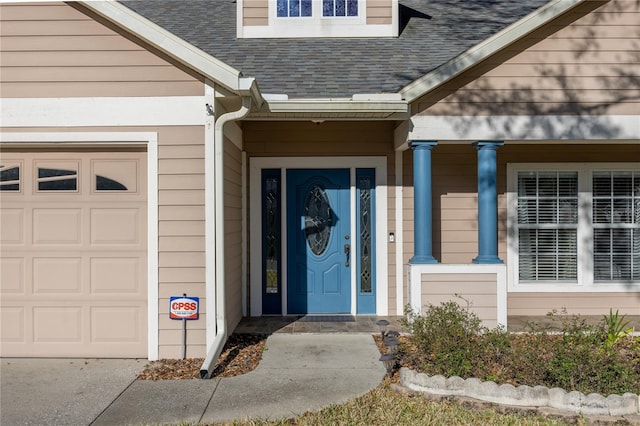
{"x":423,"y":259}
{"x":487,"y":259}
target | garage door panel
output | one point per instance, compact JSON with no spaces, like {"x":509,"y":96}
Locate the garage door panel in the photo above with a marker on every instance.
{"x":111,"y":275}
{"x":57,"y":324}
{"x":57,"y":226}
{"x":115,"y":226}
{"x":117,"y":323}
{"x":74,"y":261}
{"x":55,"y":275}
{"x":12,"y":275}
{"x":12,"y":226}
{"x":12,"y":324}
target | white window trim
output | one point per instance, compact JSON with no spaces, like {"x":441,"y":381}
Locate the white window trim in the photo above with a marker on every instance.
{"x":585,"y":281}
{"x":318,"y":5}
{"x":256,"y":165}
{"x":317,"y":25}
{"x":316,"y":15}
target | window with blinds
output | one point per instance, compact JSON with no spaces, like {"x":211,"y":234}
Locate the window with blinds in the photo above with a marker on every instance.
{"x":616,"y":226}
{"x":547,"y":222}
{"x":575,"y":226}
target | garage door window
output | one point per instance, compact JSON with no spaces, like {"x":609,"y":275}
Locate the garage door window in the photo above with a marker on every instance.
{"x":106,"y":184}
{"x":9,"y":178}
{"x":115,"y":175}
{"x":57,"y":179}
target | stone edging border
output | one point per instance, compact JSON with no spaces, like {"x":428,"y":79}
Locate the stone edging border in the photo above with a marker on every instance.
{"x":575,"y":402}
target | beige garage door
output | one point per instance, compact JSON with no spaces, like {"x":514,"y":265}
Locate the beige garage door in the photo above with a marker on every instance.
{"x":73,"y":240}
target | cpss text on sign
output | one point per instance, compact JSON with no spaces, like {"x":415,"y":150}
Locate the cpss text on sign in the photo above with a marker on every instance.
{"x":184,"y":307}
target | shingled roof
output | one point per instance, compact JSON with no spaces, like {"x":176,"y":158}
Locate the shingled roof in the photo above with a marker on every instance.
{"x":431,"y":33}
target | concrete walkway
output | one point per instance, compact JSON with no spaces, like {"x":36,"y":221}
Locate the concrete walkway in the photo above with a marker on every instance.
{"x":61,"y":391}
{"x":298,"y":372}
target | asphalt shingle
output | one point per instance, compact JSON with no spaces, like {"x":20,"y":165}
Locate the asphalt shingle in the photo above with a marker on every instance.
{"x":432,"y":32}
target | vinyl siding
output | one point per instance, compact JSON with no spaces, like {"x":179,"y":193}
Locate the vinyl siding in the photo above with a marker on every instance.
{"x":255,"y":13}
{"x":379,"y":12}
{"x":588,"y":68}
{"x":233,"y":232}
{"x":583,"y":303}
{"x":455,"y":200}
{"x":181,"y":256}
{"x":479,"y":290}
{"x":53,"y":50}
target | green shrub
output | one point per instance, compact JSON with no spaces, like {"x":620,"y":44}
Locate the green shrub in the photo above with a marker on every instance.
{"x":582,"y":359}
{"x":454,"y":340}
{"x":615,"y":327}
{"x":569,"y":353}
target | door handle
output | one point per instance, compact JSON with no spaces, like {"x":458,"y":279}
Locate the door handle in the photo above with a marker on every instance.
{"x":347,"y":252}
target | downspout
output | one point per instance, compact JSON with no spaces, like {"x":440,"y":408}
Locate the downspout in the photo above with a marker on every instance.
{"x":221,"y":312}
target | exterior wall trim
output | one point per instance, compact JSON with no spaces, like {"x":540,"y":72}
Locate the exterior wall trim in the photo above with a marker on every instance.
{"x":256,"y":165}
{"x":399,"y":232}
{"x":522,"y":127}
{"x":103,"y":111}
{"x":415,"y":282}
{"x":146,"y":139}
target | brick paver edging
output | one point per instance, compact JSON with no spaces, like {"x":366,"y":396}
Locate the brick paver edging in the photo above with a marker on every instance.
{"x":576,"y":402}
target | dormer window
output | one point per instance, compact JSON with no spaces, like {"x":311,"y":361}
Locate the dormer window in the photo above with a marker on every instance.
{"x":293,"y":8}
{"x":339,"y":7}
{"x":317,"y":18}
{"x":304,"y":8}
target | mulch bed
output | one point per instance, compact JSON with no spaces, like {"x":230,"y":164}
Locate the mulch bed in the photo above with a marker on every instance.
{"x":242,"y":353}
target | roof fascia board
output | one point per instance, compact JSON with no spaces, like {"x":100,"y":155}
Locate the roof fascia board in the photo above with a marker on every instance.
{"x":486,"y":48}
{"x":248,"y":86}
{"x":336,"y":105}
{"x":162,"y":39}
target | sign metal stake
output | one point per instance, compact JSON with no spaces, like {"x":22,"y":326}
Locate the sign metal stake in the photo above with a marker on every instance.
{"x":184,"y":337}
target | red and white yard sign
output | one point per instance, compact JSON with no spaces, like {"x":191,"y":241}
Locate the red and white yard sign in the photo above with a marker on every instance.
{"x":184,"y":307}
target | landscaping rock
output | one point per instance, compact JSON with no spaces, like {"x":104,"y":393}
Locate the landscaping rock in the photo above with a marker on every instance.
{"x":622,"y":405}
{"x":473,"y":388}
{"x":571,"y":401}
{"x":548,"y":401}
{"x":488,"y":391}
{"x":594,"y":404}
{"x":455,"y":385}
{"x":537,"y":396}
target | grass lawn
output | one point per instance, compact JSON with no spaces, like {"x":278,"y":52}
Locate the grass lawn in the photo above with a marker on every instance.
{"x":384,"y":406}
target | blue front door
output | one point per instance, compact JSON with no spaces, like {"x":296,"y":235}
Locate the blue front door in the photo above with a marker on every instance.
{"x":318,"y":241}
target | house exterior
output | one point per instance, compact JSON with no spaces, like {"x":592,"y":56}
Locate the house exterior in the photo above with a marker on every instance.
{"x":300,"y":157}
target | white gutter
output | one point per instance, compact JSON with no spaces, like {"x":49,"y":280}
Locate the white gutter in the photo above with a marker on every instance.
{"x":218,"y":235}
